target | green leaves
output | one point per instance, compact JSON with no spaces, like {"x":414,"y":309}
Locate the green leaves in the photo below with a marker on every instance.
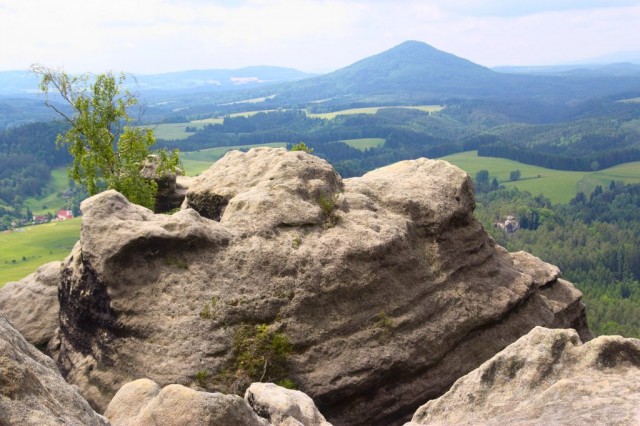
{"x":302,"y":147}
{"x":107,"y":152}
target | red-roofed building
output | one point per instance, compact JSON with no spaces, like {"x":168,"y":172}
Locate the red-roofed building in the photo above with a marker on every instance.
{"x":65,"y":214}
{"x":39,"y":218}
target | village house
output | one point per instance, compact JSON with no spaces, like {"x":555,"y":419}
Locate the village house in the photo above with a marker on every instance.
{"x":64,"y":215}
{"x":39,"y":218}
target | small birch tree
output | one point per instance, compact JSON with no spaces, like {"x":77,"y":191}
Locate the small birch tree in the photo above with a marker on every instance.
{"x":108,"y":151}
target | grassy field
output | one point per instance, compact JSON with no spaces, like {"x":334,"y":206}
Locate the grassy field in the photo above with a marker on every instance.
{"x":364,"y":143}
{"x":195,"y":162}
{"x":178,"y":131}
{"x":212,"y":120}
{"x":173,"y":131}
{"x":250,"y":113}
{"x":251,"y":101}
{"x":53,"y":202}
{"x":559,"y":186}
{"x":23,"y":251}
{"x":373,"y":110}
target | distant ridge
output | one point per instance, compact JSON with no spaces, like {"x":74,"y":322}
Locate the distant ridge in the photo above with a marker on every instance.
{"x":220,"y":79}
{"x":25,"y":83}
{"x":414,"y":71}
{"x":630,"y":56}
{"x":411,"y":67}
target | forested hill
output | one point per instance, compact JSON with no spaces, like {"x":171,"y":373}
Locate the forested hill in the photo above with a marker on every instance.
{"x":410,"y":73}
{"x":417,"y":72}
{"x":595,"y":240}
{"x":409,"y":69}
{"x":27,"y":154}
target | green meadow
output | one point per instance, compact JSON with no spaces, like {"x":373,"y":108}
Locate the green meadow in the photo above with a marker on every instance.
{"x":51,"y":202}
{"x":373,"y":110}
{"x":251,"y":101}
{"x":23,"y":250}
{"x":557,"y":185}
{"x":178,"y":131}
{"x":250,"y":113}
{"x":173,"y":131}
{"x":364,"y":143}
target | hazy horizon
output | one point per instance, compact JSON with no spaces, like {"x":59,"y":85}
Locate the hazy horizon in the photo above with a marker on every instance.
{"x":317,"y":36}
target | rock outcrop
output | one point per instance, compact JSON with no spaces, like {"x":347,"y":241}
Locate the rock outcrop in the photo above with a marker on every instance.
{"x":372,"y":294}
{"x":32,"y":391}
{"x":283,"y":406}
{"x":548,"y":377}
{"x":31,"y":304}
{"x":142,"y":402}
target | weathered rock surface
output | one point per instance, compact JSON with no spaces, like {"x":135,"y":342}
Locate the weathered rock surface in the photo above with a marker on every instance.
{"x":548,"y":377}
{"x":142,"y":402}
{"x":386,"y":287}
{"x":31,"y":304}
{"x":283,"y":406}
{"x":264,"y":189}
{"x":32,"y":391}
{"x":172,"y":187}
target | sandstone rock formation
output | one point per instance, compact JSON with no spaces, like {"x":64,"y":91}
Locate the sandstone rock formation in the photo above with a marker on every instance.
{"x":32,"y":391}
{"x":283,"y":406}
{"x":372,"y":294}
{"x":142,"y":402}
{"x":31,"y":304}
{"x":548,"y":377}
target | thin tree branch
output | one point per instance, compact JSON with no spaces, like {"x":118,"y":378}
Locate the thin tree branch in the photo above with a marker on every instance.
{"x":264,"y":369}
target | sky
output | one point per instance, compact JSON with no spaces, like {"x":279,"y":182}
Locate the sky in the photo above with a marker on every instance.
{"x":155,"y":36}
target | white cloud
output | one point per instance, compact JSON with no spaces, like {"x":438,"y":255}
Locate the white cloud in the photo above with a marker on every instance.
{"x":148,"y":36}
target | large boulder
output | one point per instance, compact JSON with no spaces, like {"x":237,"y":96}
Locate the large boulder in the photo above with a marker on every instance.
{"x":548,"y":377}
{"x":281,"y":406}
{"x":372,"y":294}
{"x":32,"y":391}
{"x":32,"y":304}
{"x":264,"y":189}
{"x":142,"y":402}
